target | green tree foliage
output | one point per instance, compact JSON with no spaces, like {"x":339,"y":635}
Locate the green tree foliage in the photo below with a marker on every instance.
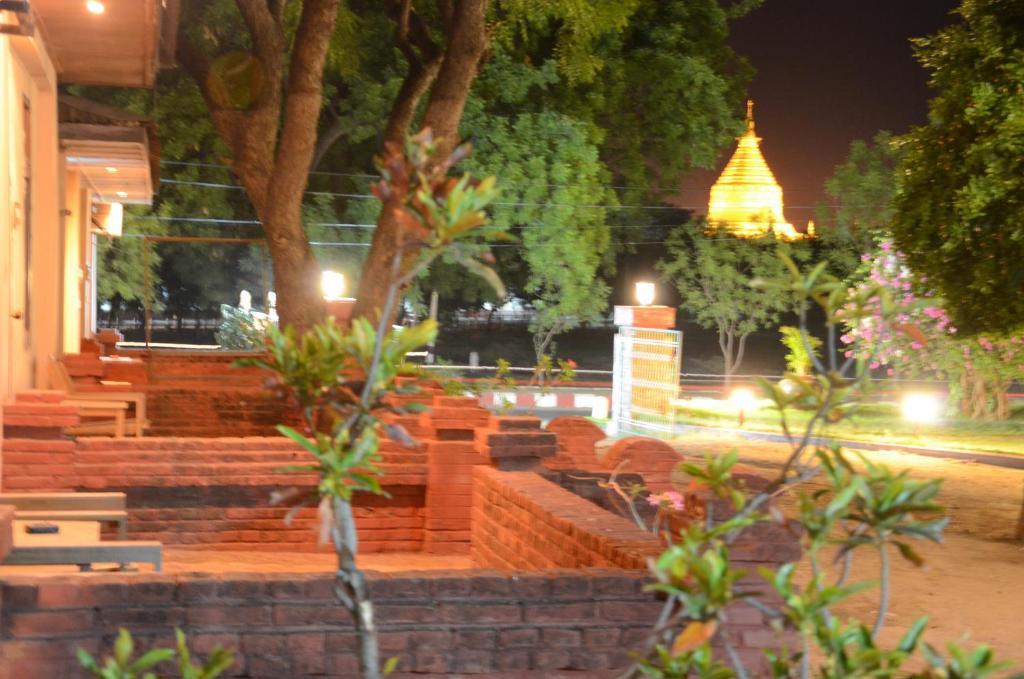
{"x":712,"y":269}
{"x":553,"y":169}
{"x":801,"y":349}
{"x":667,"y":95}
{"x":959,"y":216}
{"x":647,"y":89}
{"x":860,"y":209}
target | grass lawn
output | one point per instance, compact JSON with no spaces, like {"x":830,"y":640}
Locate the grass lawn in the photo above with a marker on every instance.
{"x":876,"y":422}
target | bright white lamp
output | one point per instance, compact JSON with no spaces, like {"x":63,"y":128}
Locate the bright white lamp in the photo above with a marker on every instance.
{"x":743,"y":399}
{"x":921,"y":408}
{"x":332,"y":284}
{"x":645,"y":293}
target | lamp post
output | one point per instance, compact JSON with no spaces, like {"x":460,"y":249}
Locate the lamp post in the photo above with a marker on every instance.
{"x":645,"y":371}
{"x":332,"y":285}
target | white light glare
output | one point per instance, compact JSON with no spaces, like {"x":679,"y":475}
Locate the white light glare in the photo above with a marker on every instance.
{"x":921,"y":408}
{"x":95,"y":7}
{"x":742,"y":398}
{"x":645,"y":293}
{"x":332,"y":284}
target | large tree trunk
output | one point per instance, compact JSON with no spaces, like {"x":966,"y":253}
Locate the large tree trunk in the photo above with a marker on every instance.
{"x":296,"y":272}
{"x":272,"y":149}
{"x":467,"y":42}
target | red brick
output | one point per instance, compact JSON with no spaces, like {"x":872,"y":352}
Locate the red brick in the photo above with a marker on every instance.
{"x":49,"y":623}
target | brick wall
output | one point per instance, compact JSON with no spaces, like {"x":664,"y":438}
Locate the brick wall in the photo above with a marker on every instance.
{"x":523,"y":521}
{"x":215,"y":493}
{"x":436,"y":623}
{"x":212,"y":410}
{"x":6,"y":532}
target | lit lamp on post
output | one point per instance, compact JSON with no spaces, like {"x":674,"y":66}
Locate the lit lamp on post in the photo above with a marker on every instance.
{"x":332,"y":285}
{"x":645,"y":370}
{"x":645,"y":293}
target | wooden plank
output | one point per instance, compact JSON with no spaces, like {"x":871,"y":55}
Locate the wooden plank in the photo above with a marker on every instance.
{"x":63,"y":501}
{"x":84,"y":555}
{"x":113,"y":516}
{"x":68,"y":534}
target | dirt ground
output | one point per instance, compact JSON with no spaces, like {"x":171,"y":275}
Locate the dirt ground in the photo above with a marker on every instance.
{"x":971,"y":586}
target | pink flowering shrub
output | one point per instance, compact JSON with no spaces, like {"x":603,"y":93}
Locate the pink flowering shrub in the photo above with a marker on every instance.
{"x":917,"y":339}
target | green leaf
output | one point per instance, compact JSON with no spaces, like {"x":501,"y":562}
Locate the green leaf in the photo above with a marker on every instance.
{"x":299,"y":438}
{"x":488,"y":274}
{"x":153,"y":657}
{"x":909,"y":640}
{"x":908,"y":553}
{"x":123,"y":647}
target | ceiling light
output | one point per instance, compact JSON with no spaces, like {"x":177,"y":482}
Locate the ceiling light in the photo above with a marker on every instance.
{"x":111,"y":169}
{"x":95,"y":7}
{"x":122,"y":194}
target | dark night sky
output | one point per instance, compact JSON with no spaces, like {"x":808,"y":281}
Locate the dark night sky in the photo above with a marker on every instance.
{"x":830,"y":72}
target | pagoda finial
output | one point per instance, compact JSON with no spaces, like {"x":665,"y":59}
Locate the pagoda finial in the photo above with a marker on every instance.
{"x":750,"y":115}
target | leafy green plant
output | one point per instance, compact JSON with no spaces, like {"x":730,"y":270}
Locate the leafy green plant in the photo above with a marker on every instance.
{"x":121,"y":665}
{"x":798,"y":354}
{"x":863,"y":505}
{"x":241,"y":329}
{"x":345,"y":381}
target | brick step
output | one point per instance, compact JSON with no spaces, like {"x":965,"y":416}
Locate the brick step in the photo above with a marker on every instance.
{"x":40,"y":396}
{"x":134,"y":456}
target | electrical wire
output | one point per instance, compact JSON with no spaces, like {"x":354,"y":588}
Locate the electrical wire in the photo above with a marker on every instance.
{"x":675,"y":191}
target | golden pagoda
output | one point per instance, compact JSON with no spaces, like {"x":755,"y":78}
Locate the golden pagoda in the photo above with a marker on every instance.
{"x":746,"y":197}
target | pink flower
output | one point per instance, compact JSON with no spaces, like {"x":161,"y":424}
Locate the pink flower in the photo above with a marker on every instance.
{"x":985,"y":343}
{"x":666,"y":500}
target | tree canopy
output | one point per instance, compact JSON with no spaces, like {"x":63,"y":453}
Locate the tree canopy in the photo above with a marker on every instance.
{"x":860,"y":210}
{"x":712,"y":269}
{"x":614,"y":103}
{"x":959,"y":217}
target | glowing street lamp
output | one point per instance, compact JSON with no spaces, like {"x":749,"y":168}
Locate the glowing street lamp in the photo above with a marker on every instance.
{"x":920,"y":409}
{"x":645,"y":293}
{"x":332,"y":284}
{"x":743,"y":400}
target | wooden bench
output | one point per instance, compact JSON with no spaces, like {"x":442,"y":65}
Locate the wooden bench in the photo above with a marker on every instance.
{"x":78,"y":543}
{"x":115,"y":410}
{"x":96,"y":507}
{"x":94,"y":399}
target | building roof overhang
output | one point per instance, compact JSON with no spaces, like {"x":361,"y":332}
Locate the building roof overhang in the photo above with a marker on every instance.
{"x":124,"y":46}
{"x":116,"y":152}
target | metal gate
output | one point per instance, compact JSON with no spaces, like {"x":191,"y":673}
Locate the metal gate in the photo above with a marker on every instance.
{"x":645,"y":380}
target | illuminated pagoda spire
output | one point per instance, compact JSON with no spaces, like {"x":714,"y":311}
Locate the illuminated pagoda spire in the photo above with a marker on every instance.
{"x":746,"y":197}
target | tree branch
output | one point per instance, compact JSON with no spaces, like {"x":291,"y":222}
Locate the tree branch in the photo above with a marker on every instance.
{"x":338,"y":128}
{"x":740,"y":351}
{"x":447,"y":11}
{"x":467,"y":43}
{"x":423,"y":68}
{"x":267,"y":38}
